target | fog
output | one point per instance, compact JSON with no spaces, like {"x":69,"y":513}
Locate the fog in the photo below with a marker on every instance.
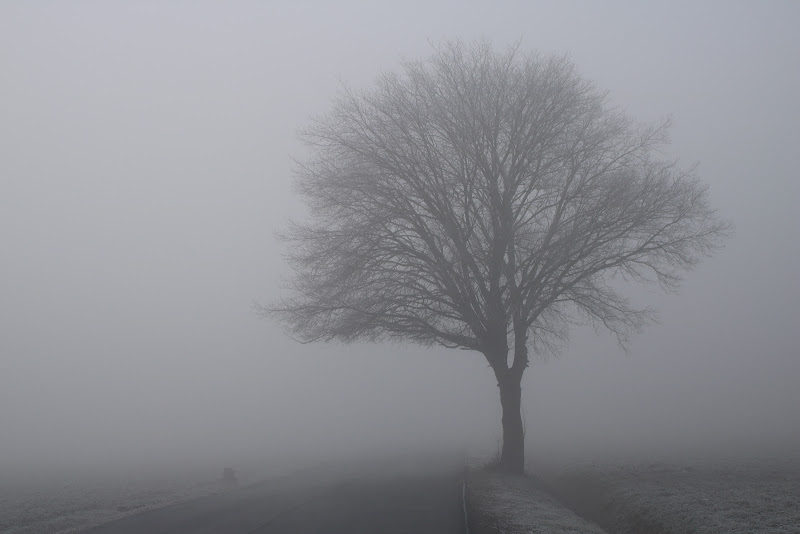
{"x":146,"y":165}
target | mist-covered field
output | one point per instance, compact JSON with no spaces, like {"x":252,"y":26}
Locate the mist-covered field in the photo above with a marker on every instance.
{"x":759,"y":497}
{"x":70,"y":502}
{"x":60,"y":507}
{"x":658,"y":497}
{"x":67,"y":503}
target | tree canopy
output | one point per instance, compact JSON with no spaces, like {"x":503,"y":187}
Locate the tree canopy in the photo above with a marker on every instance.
{"x":476,"y":194}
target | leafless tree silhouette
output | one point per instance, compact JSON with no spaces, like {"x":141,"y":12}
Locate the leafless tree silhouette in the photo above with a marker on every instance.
{"x":486,"y":200}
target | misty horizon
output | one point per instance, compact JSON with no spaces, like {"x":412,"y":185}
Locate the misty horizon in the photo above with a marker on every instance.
{"x":146,"y":164}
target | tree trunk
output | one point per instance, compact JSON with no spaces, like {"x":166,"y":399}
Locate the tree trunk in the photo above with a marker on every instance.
{"x":513,"y":456}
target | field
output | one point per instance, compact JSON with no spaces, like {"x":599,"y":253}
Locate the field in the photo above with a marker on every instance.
{"x":69,"y":506}
{"x":671,"y":499}
{"x":657,"y":498}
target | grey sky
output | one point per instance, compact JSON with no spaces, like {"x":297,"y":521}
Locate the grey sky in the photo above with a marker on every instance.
{"x":145,"y":164}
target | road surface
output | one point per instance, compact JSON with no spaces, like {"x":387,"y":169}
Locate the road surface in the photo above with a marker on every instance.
{"x":411,"y":495}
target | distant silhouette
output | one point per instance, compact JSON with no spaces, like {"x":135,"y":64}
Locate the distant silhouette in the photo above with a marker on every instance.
{"x":229,"y":477}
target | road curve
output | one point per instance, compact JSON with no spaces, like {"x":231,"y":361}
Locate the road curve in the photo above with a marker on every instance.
{"x":419,"y":495}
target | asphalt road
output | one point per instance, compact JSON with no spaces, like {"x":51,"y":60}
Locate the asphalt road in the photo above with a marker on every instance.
{"x":419,"y":495}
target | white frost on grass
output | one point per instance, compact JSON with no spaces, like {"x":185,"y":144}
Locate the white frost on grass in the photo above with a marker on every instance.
{"x":512,"y":505}
{"x":70,"y":508}
{"x":735,"y":499}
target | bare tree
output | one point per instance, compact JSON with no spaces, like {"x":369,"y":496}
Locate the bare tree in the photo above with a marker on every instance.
{"x":486,"y":200}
